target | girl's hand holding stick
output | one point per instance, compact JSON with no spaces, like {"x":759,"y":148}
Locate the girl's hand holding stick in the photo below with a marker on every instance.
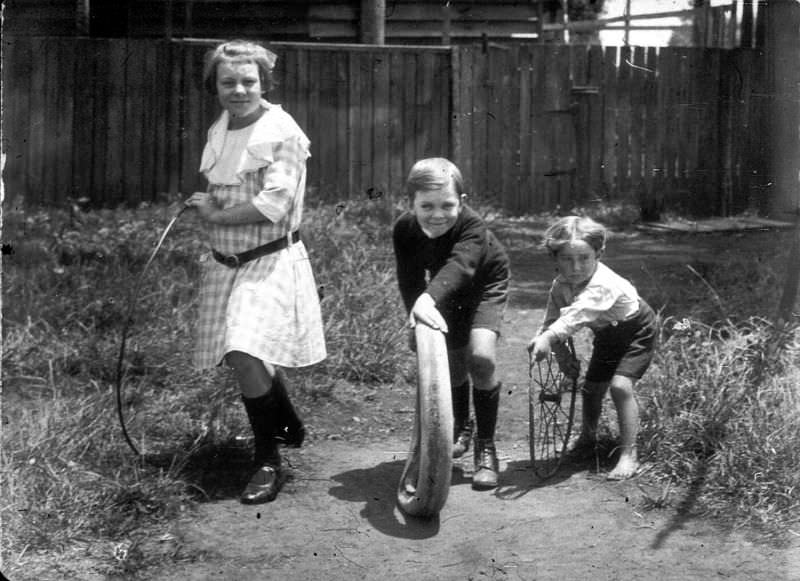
{"x":204,"y":203}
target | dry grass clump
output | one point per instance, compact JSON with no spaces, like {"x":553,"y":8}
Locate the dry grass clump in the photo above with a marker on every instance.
{"x":352,"y":255}
{"x":67,"y":473}
{"x":721,"y":415}
{"x":719,"y":408}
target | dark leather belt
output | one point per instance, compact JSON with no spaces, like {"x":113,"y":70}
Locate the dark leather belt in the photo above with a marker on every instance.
{"x":236,"y":260}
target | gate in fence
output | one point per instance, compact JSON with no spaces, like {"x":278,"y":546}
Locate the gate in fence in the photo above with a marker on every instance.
{"x":532,"y":126}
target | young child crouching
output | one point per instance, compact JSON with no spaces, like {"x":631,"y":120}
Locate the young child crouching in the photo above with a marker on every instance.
{"x":587,"y":293}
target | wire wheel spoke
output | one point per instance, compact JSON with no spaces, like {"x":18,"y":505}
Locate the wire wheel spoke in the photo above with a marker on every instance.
{"x":551,"y":409}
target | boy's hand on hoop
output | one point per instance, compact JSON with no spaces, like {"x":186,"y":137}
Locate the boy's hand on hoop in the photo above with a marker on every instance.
{"x":424,"y":311}
{"x":539,"y":347}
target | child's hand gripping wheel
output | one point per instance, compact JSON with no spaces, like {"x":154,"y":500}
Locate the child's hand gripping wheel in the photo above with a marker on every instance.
{"x":425,"y":482}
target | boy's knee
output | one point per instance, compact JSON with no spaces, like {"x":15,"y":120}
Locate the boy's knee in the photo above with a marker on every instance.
{"x":622,"y":387}
{"x":482,"y":364}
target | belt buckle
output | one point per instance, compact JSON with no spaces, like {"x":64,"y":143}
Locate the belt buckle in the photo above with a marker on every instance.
{"x":231,"y":261}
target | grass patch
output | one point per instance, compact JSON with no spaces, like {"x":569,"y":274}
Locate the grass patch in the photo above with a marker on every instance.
{"x":68,"y":474}
{"x":717,"y":413}
{"x":720,"y":417}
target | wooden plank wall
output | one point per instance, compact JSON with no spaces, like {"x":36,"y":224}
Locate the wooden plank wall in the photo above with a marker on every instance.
{"x":546,"y":126}
{"x":532,"y":126}
{"x":125,"y":120}
{"x":370,"y":112}
{"x":54,"y":17}
{"x":428,"y":21}
{"x":86,"y":118}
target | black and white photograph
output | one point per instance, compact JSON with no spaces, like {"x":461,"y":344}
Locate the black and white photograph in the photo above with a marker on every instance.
{"x":338,"y":290}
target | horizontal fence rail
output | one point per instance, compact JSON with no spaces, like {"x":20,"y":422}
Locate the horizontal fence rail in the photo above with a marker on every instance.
{"x":532,"y":126}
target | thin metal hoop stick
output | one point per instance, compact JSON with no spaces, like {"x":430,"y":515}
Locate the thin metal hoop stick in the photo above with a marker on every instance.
{"x":126,"y":328}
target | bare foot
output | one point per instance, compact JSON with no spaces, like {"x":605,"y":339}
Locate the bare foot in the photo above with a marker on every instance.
{"x":626,"y":467}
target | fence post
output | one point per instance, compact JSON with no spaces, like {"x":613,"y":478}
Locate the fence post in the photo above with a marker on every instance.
{"x":455,"y":104}
{"x":627,"y":21}
{"x":746,"y":32}
{"x":373,"y":21}
{"x":446,"y":23}
{"x":790,"y":286}
{"x":782,"y":55}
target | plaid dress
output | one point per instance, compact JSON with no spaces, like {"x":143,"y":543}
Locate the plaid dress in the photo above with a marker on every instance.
{"x":268,"y":307}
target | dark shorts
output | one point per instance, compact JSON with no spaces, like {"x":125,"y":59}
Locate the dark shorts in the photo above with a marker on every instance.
{"x":625,"y":348}
{"x":480,"y":310}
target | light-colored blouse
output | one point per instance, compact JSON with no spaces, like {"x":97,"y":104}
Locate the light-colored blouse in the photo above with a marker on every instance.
{"x":605,"y":299}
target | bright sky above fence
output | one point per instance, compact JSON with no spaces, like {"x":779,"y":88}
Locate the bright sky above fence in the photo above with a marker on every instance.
{"x":616,"y":8}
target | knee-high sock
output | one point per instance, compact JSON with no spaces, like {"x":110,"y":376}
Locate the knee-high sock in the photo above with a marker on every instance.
{"x":460,"y":394}
{"x":263,"y":414}
{"x":486,"y":404}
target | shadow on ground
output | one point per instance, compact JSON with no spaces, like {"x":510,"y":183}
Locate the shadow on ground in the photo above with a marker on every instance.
{"x":376,"y":487}
{"x":218,"y":471}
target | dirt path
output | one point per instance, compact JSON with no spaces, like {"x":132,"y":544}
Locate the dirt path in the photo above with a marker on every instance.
{"x":336,"y":519}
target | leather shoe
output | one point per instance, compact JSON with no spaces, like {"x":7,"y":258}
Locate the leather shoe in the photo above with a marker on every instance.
{"x":263,"y":486}
{"x":462,"y":440}
{"x":291,"y":438}
{"x":486,"y":465}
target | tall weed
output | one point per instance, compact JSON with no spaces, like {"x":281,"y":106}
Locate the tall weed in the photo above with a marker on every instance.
{"x":67,"y":285}
{"x":352,"y":256}
{"x":721,"y":414}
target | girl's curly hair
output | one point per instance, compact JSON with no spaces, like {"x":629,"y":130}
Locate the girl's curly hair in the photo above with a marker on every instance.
{"x":240,"y":51}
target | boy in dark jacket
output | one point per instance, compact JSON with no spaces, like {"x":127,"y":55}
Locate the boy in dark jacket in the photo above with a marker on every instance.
{"x":453,"y":275}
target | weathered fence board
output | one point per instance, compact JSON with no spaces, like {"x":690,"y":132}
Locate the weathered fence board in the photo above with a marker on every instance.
{"x":532,"y":126}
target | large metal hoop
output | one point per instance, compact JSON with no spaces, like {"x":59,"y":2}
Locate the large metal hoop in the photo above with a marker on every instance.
{"x":551,"y":413}
{"x":425,"y":482}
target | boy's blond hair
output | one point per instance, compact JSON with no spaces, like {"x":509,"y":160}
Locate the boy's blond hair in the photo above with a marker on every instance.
{"x":575,"y":228}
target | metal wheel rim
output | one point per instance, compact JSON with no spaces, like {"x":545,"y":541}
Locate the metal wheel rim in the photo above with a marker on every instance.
{"x":551,"y":411}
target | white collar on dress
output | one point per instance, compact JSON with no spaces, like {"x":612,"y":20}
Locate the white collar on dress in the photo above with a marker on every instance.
{"x":274,"y":126}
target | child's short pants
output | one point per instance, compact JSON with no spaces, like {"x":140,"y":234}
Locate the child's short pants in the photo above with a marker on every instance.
{"x":479,"y":310}
{"x":625,"y":348}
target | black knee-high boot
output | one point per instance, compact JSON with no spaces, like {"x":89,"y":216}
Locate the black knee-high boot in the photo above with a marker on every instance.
{"x":292,"y":432}
{"x":486,"y":404}
{"x":263,"y":413}
{"x":462,"y":423}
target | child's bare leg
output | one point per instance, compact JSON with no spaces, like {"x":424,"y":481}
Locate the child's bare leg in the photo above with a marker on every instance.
{"x":628,"y":415}
{"x":592,"y":396}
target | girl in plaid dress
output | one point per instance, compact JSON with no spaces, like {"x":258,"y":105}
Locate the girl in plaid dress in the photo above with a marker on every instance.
{"x":258,"y":308}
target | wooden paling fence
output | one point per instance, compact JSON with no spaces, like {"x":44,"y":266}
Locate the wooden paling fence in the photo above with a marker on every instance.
{"x":683,"y":129}
{"x":532,"y":126}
